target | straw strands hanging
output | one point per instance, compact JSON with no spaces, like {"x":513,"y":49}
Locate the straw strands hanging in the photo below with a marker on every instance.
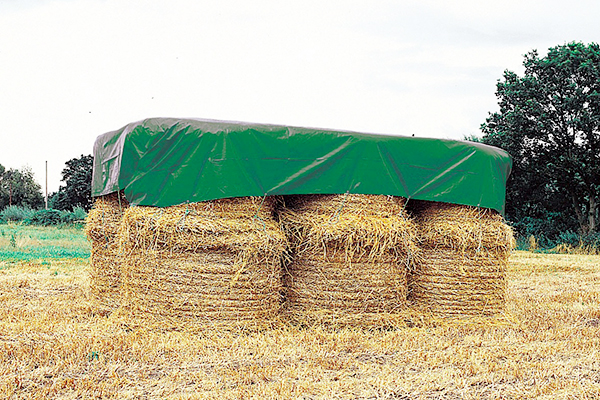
{"x":101,"y":228}
{"x":350,"y":256}
{"x":463,"y":228}
{"x":214,"y":263}
{"x":463,"y":268}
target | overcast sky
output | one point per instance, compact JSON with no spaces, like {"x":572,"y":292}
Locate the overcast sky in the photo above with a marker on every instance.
{"x":71,"y":70}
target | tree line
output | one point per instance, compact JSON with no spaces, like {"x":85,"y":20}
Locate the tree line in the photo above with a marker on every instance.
{"x":19,"y":188}
{"x":549,"y":122}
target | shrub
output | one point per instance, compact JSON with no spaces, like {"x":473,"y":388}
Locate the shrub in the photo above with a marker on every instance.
{"x":592,"y":240}
{"x":79,"y":213}
{"x":16,"y":214}
{"x":568,"y":238}
{"x":570,"y":242}
{"x":522,"y":243}
{"x":548,"y":228}
{"x":67,"y":217}
{"x":46,"y":217}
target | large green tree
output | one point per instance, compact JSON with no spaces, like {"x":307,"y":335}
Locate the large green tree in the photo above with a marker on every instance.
{"x":19,"y":188}
{"x":549,"y":121}
{"x":77,"y":190}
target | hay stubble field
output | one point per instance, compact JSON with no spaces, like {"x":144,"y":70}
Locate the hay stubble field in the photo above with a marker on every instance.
{"x":55,"y":345}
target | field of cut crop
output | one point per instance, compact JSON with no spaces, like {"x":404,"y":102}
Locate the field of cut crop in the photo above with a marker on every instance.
{"x":55,"y":345}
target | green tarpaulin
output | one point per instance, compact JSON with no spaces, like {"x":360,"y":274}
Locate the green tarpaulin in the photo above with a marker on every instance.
{"x":164,"y":161}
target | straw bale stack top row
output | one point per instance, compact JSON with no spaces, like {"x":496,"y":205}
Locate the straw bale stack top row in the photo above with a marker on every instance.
{"x":164,"y":162}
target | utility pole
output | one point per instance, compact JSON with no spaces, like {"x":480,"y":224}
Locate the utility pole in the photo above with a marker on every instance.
{"x":46,"y":184}
{"x":10,"y":188}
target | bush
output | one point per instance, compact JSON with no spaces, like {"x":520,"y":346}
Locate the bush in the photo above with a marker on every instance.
{"x":69,"y":217}
{"x":548,"y":228}
{"x":16,"y":214}
{"x":46,"y":217}
{"x":570,"y":242}
{"x":79,"y":213}
{"x":55,"y":217}
{"x":591,"y":240}
{"x":522,"y":243}
{"x":568,"y":238}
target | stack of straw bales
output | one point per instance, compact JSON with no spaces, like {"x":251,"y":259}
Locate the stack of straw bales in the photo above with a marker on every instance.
{"x":465,"y":254}
{"x":214,"y":263}
{"x":102,"y":226}
{"x":351,"y":260}
{"x":350,"y":257}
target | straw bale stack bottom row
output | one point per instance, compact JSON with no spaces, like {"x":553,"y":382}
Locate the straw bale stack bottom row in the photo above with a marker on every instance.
{"x":332,"y":259}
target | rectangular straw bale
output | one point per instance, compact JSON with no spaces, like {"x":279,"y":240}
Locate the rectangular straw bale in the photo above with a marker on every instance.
{"x":210,"y":264}
{"x":102,"y":224}
{"x":463,"y":228}
{"x":350,"y":256}
{"x":465,"y":253}
{"x":201,"y":286}
{"x":449,"y":282}
{"x":357,"y":285}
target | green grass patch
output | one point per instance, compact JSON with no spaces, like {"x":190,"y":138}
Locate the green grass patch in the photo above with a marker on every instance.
{"x":27,"y":243}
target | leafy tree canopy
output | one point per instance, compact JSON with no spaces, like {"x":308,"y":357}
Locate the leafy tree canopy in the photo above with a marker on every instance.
{"x":18,"y":188}
{"x":77,"y":191}
{"x":549,"y":121}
